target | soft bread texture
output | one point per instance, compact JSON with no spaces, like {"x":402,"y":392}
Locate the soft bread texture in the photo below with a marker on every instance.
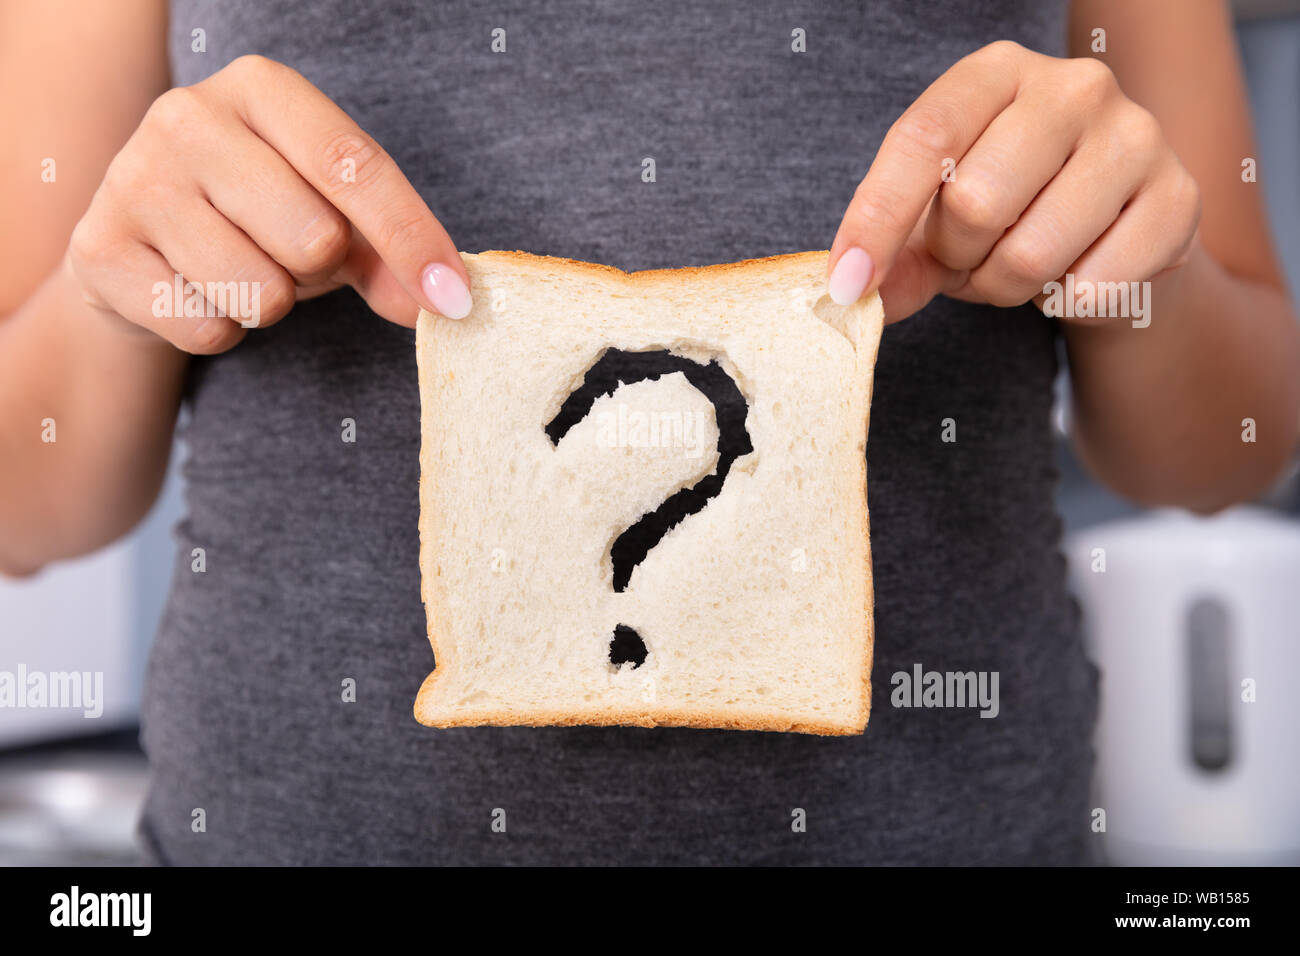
{"x":757,"y":611}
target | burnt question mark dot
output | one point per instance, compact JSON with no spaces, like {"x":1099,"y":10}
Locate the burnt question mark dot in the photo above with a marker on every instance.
{"x":627,"y":647}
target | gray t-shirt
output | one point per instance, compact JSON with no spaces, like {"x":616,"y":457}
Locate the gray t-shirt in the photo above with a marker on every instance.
{"x":311,"y":544}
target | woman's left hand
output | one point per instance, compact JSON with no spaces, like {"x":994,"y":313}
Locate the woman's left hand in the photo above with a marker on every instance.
{"x":1011,"y":170}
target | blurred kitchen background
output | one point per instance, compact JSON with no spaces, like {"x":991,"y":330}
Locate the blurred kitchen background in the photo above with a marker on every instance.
{"x":1186,"y":610}
{"x":1189,"y":608}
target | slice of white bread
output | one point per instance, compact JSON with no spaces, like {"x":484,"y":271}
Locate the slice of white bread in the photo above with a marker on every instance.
{"x":755,"y":612}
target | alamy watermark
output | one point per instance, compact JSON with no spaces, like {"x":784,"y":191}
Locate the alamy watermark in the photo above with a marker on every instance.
{"x":632,"y":428}
{"x":922,"y":688}
{"x":1081,"y":299}
{"x":53,"y":690}
{"x":241,"y":301}
{"x":74,"y":908}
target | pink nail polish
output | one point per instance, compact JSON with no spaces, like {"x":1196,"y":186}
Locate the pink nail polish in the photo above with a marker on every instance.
{"x":446,"y":291}
{"x":850,"y":277}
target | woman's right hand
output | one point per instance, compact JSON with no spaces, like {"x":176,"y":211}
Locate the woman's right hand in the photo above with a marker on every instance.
{"x":255,"y":176}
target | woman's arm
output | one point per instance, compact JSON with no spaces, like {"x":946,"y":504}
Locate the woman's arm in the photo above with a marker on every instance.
{"x":1015,"y":173}
{"x":251,"y":179}
{"x":1158,"y":410}
{"x":77,"y":77}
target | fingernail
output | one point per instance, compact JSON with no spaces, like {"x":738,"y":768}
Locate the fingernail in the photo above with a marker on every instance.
{"x":850,"y":276}
{"x":446,"y":290}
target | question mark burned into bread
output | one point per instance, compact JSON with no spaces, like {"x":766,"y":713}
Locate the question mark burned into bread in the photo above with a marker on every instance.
{"x":613,"y":369}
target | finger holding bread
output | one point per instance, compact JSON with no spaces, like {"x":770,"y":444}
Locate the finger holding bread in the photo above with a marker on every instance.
{"x":261,"y":191}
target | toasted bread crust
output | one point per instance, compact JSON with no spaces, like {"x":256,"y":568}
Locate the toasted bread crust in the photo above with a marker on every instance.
{"x":627,"y":717}
{"x":551,"y":263}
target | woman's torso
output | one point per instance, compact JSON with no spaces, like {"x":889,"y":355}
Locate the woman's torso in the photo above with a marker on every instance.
{"x":310,"y":543}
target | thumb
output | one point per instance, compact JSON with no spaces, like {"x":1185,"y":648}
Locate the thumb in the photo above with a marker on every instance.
{"x":915,"y":279}
{"x":366,"y":272}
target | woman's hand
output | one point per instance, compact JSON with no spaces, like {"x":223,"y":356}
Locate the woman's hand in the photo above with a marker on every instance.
{"x":259,"y":190}
{"x":1010,"y":171}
